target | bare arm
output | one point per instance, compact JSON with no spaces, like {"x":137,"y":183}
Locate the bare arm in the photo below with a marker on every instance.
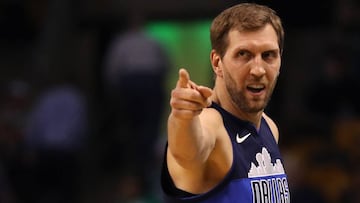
{"x":188,"y":141}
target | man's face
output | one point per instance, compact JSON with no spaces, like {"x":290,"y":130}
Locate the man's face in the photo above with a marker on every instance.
{"x":250,"y":68}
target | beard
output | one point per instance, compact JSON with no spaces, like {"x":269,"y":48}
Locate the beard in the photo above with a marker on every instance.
{"x":240,"y":100}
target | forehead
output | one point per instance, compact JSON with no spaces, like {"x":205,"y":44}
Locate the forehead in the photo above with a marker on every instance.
{"x":263,"y":38}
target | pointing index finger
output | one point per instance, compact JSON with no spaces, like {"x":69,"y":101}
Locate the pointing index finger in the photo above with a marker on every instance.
{"x":184,"y":78}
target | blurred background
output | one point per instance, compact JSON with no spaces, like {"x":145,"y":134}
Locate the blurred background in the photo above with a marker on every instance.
{"x":84,"y":91}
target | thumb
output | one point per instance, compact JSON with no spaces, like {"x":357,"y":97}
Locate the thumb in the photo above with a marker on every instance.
{"x":205,"y":91}
{"x":184,"y":78}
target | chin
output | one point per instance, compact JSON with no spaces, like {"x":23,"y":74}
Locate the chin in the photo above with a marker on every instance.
{"x":256,"y":107}
{"x":255,"y":110}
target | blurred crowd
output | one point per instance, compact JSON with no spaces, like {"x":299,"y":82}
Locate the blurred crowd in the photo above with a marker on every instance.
{"x":83,"y":101}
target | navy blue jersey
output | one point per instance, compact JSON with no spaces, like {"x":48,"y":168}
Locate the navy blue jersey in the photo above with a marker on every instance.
{"x":256,"y":175}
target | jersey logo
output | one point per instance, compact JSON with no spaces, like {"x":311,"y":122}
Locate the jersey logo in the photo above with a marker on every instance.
{"x":268,"y":180}
{"x":265,"y":167}
{"x":242,"y":139}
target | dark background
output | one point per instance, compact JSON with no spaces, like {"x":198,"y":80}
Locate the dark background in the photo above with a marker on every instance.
{"x":42,"y":41}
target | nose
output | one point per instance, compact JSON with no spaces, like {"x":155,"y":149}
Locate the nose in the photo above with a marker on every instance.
{"x":257,"y":67}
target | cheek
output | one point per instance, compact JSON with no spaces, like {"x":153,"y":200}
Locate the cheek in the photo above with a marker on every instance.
{"x":273,"y":73}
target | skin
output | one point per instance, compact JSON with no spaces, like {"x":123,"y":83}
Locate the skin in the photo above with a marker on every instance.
{"x":199,"y":148}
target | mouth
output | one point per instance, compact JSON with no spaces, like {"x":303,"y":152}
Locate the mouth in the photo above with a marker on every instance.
{"x":255,"y":88}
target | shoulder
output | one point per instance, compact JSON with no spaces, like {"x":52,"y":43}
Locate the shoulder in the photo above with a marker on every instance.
{"x":211,"y":115}
{"x":273,"y":127}
{"x":211,"y":120}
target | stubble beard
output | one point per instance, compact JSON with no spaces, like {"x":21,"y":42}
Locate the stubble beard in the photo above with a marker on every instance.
{"x":242,"y":102}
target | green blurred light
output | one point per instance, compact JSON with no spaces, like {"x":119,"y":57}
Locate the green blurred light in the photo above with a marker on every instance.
{"x":188,"y":45}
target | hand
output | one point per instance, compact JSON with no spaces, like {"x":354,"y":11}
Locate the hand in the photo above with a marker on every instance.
{"x":187,"y":98}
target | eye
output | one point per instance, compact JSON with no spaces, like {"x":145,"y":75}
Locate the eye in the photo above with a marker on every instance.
{"x":270,"y":55}
{"x":244,"y":54}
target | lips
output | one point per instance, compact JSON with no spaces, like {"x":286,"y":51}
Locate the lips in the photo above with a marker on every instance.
{"x":255,"y":88}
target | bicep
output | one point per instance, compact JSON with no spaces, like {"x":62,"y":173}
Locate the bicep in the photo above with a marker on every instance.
{"x":192,"y":174}
{"x":191,"y":144}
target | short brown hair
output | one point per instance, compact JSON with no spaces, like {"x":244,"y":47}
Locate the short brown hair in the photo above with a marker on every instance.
{"x":243,"y":17}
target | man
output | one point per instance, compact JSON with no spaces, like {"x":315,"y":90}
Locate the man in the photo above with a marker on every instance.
{"x":222,"y":147}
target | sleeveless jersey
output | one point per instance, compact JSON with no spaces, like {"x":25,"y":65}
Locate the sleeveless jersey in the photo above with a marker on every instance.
{"x":256,"y":175}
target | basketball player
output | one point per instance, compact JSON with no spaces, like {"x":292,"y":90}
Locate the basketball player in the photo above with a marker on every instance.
{"x":222,"y":147}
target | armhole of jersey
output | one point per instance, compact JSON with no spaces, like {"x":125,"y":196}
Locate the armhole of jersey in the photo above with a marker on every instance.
{"x":274,"y":129}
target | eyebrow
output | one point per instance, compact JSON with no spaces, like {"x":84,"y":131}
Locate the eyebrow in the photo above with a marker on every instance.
{"x":277,"y":50}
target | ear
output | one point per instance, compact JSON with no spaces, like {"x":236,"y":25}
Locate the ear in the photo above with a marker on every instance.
{"x":216,"y":63}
